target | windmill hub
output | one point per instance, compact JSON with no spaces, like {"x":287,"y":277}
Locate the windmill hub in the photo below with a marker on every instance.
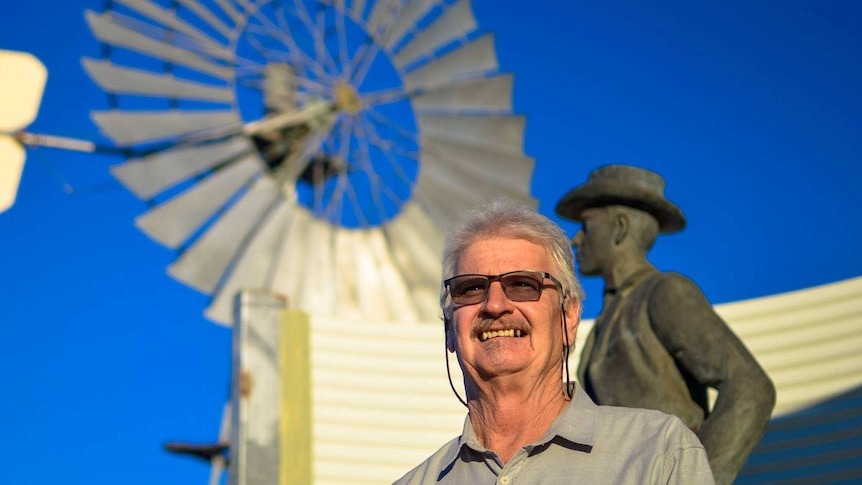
{"x":347,"y":99}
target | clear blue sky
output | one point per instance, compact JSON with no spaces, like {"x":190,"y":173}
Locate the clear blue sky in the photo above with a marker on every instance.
{"x":751,"y":110}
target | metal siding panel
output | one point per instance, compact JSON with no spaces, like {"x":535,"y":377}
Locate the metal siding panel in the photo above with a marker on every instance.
{"x":376,"y":428}
{"x":806,"y":325}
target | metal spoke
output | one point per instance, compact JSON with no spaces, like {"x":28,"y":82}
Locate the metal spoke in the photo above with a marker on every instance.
{"x":387,"y":190}
{"x":334,"y":207}
{"x":380,"y":118}
{"x":341,"y":28}
{"x":367,"y":59}
{"x":284,"y":35}
{"x":365,"y":164}
{"x":320,"y":47}
{"x":387,"y":96}
{"x":303,"y":82}
{"x":292,"y":45}
{"x":357,"y":207}
{"x":385,"y":147}
{"x":388,"y":146}
{"x":260,"y":48}
{"x":365,"y":64}
{"x":317,"y":36}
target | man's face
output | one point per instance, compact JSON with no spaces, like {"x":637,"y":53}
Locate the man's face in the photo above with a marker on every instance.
{"x":594,"y":241}
{"x":537,"y":353}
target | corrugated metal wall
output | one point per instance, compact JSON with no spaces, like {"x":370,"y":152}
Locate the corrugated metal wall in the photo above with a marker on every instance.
{"x":381,"y":402}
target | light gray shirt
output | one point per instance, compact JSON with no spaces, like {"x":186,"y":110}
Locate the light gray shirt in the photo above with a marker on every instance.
{"x":585,"y":444}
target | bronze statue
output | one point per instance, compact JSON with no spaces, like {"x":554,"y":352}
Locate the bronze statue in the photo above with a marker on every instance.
{"x":658,"y":343}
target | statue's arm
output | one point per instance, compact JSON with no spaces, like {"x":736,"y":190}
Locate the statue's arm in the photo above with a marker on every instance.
{"x":703,"y":344}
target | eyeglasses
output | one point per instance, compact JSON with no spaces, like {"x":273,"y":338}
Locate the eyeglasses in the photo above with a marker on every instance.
{"x":469,"y":289}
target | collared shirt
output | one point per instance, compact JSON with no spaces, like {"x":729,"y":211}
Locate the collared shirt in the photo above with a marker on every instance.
{"x":585,"y":444}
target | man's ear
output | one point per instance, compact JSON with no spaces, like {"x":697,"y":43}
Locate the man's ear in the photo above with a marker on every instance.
{"x":621,"y":228}
{"x":450,"y":334}
{"x":573,"y":319}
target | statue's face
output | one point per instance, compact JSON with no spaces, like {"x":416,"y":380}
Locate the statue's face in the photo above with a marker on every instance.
{"x":594,"y":242}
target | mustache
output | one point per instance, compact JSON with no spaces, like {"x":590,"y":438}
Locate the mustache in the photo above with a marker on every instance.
{"x":504,"y":323}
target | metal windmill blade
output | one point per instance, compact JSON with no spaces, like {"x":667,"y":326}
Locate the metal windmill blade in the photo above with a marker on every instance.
{"x":315,"y":149}
{"x":22,"y":80}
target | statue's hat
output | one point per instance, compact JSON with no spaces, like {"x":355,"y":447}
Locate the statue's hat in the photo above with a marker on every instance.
{"x":623,"y":185}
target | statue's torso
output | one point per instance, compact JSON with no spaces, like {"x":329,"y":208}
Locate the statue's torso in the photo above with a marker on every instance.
{"x":625,"y":364}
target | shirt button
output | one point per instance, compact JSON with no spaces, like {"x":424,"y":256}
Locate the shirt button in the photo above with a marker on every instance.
{"x":504,"y":480}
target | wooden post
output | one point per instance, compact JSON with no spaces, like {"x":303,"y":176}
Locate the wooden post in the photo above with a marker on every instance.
{"x":271,"y":393}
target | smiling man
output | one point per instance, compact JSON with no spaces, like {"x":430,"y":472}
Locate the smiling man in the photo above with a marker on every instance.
{"x":511,"y":306}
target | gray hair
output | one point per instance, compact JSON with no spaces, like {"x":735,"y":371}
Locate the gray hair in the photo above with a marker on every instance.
{"x":503,"y":218}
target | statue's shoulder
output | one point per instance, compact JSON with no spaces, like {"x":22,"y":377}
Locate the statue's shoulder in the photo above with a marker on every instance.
{"x":670,"y":285}
{"x":674,"y":278}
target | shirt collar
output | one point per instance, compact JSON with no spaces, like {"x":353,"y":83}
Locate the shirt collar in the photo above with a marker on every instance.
{"x":576,"y":425}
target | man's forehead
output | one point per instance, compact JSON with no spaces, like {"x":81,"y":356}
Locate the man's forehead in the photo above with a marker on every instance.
{"x":488,"y":248}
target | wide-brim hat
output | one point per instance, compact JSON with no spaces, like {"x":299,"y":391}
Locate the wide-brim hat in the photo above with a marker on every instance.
{"x":623,"y":185}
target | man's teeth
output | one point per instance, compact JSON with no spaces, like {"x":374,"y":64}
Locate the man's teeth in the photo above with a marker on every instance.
{"x":501,"y":333}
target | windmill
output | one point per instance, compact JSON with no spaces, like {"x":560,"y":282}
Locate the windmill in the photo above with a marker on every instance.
{"x":314,"y":150}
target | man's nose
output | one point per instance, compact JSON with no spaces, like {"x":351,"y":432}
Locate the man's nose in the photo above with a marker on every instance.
{"x":496,"y":302}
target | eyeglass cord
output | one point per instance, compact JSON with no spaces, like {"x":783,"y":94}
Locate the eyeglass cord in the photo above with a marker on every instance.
{"x":564,"y":368}
{"x":449,"y":374}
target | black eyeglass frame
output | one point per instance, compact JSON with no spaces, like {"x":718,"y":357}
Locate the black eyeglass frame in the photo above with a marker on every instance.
{"x":492,"y":278}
